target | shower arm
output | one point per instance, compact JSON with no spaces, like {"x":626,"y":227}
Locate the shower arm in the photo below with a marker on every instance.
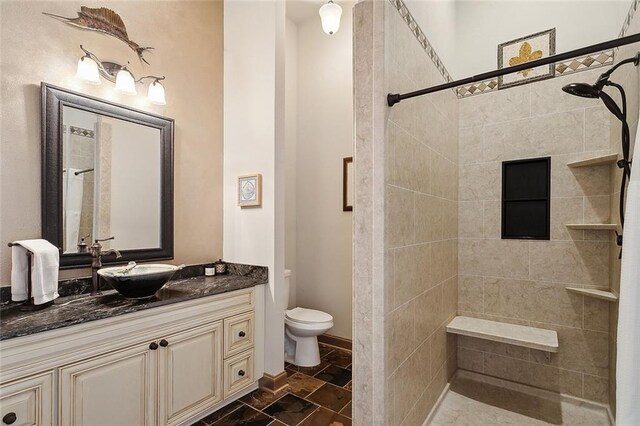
{"x":635,"y":60}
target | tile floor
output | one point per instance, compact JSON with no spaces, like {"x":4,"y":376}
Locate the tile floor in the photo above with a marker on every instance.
{"x":474,"y":400}
{"x":317,"y":396}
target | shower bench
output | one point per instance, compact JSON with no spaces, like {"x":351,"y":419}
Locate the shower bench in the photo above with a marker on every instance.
{"x":518,"y":335}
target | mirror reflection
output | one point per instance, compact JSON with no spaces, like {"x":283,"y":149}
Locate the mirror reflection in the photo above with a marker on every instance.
{"x":111,"y":183}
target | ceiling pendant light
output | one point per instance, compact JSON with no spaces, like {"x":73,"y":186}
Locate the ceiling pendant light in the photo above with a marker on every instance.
{"x":125,"y":82}
{"x":88,"y":70}
{"x":330,"y":15}
{"x":156,"y":93}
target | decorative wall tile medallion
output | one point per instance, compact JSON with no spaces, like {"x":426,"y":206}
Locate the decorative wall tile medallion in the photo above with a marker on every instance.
{"x":523,"y":50}
{"x":421,"y":37}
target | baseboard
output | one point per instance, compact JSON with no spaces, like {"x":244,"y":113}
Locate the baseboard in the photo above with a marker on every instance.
{"x":339,"y":342}
{"x":612,"y":418}
{"x":274,"y":384}
{"x":444,"y":393}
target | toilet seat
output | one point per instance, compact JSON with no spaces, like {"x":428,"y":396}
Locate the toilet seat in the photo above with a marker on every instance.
{"x":307,"y":316}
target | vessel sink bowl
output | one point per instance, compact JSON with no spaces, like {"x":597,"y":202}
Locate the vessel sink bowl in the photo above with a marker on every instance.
{"x":139,"y":281}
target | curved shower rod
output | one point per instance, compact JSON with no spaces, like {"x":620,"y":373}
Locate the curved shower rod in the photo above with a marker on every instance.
{"x":394,"y":98}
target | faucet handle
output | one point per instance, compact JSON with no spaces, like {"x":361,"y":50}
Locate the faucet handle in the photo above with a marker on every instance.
{"x":104,"y":239}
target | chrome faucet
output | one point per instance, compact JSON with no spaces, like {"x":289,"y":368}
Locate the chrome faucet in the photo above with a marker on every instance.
{"x":96,"y":262}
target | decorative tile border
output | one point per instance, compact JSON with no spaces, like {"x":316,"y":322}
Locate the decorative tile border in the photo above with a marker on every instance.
{"x":571,"y":66}
{"x":629,"y":18}
{"x":477,"y":88}
{"x":583,"y":63}
{"x":421,"y":37}
{"x":82,"y":132}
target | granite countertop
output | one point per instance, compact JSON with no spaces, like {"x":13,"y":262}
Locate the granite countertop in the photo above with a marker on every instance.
{"x":81,"y":308}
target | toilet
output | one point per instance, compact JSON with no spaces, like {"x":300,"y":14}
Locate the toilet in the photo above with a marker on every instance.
{"x":302,"y":328}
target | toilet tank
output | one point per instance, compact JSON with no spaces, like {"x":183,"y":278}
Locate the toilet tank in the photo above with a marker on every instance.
{"x":287,"y":288}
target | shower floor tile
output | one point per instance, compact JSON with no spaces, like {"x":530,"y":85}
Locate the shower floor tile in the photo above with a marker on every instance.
{"x":475,"y":402}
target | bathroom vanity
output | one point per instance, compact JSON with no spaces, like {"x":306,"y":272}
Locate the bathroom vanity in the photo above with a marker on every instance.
{"x":168,"y":361}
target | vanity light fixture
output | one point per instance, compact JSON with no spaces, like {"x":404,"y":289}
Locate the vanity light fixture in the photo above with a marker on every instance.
{"x":125,"y":83}
{"x":156,"y":92}
{"x":90,"y":68}
{"x":330,"y":14}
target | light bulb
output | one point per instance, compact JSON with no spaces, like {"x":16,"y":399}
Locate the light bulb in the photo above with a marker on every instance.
{"x":156,"y":93}
{"x":330,"y":15}
{"x":88,"y":70}
{"x":125,"y":82}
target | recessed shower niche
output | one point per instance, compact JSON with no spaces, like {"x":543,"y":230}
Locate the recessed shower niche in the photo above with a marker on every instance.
{"x":526,"y":207}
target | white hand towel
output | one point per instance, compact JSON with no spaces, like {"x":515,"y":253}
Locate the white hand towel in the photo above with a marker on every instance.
{"x":44,"y":271}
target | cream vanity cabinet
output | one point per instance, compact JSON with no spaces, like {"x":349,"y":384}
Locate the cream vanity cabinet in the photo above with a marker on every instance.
{"x":160,"y":368}
{"x":28,"y":401}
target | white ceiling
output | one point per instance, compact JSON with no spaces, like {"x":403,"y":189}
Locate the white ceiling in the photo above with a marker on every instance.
{"x":300,"y":11}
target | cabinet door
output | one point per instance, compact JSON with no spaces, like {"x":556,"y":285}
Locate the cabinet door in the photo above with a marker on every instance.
{"x":27,"y":401}
{"x":114,"y":389}
{"x":190,"y":372}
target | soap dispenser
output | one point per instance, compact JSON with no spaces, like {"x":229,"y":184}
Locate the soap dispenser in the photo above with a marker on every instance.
{"x":82,"y":246}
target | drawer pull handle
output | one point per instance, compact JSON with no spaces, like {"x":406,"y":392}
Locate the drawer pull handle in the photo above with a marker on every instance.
{"x":241,"y":373}
{"x":153,"y":346}
{"x":164,"y":343}
{"x":9,"y":418}
{"x":242,"y":334}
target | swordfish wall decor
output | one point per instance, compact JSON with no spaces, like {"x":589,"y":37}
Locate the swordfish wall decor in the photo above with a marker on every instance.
{"x":105,"y":21}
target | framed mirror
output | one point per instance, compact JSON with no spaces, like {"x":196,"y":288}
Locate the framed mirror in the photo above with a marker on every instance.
{"x":107,"y":170}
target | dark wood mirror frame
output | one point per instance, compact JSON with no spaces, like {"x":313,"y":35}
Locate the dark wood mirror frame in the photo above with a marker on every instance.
{"x":53,"y":100}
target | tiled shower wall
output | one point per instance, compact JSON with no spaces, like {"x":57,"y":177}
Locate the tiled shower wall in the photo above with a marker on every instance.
{"x":421,"y":192}
{"x":628,"y":77}
{"x":520,"y":281}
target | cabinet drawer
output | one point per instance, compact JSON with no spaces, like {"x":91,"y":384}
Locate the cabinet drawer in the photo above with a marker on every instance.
{"x":238,"y":373}
{"x":28,"y":401}
{"x":238,"y":334}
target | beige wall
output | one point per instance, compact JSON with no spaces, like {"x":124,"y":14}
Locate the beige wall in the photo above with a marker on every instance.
{"x":322,"y":270}
{"x":421,"y":227}
{"x":523,"y":282}
{"x":187,"y":37}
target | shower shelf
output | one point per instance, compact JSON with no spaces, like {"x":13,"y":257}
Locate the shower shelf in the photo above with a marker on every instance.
{"x":598,"y":294}
{"x":518,"y":335}
{"x":593,"y":226}
{"x":595,"y":161}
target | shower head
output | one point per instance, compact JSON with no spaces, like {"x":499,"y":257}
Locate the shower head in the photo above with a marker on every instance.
{"x":594,"y":91}
{"x":583,"y":90}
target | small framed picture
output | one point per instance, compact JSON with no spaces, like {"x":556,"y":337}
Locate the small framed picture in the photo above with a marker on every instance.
{"x":347,"y":184}
{"x":250,"y":190}
{"x":526,"y":49}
